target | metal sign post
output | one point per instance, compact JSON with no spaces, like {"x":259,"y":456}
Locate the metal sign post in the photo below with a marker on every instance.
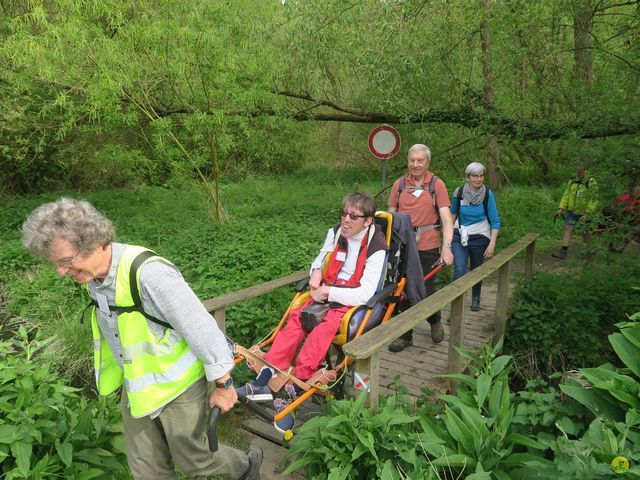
{"x":384,"y":143}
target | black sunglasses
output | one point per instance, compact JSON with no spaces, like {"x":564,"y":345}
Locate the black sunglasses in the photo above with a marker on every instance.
{"x":352,"y":216}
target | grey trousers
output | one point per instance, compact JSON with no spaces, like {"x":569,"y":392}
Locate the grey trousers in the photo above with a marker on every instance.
{"x":178,"y":433}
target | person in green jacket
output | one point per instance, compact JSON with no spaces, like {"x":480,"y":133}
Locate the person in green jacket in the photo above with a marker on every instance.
{"x":579,"y":200}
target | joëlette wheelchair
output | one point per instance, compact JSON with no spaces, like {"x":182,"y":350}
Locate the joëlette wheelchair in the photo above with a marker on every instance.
{"x":379,"y":309}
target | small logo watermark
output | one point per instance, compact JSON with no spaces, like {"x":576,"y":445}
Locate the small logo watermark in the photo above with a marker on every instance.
{"x":620,"y":465}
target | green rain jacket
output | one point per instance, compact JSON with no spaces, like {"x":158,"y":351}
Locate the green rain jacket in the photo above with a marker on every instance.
{"x":581,"y":196}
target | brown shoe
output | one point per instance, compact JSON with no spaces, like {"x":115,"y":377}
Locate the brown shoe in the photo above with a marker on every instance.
{"x":437,"y":332}
{"x":400,"y":344}
{"x":561,"y":254}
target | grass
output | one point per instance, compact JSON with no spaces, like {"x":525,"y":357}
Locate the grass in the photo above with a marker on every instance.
{"x":275,"y":226}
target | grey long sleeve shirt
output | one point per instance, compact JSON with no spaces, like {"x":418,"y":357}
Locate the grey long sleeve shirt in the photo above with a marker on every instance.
{"x":167,"y":296}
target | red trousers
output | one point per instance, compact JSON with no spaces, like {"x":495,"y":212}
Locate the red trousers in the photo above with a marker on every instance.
{"x":314,"y":348}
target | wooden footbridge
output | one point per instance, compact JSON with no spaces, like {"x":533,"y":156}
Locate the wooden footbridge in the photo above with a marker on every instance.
{"x":417,"y":366}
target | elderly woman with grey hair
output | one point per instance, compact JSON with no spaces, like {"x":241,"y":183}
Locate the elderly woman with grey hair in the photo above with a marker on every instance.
{"x":476,"y":226}
{"x":152,"y":337}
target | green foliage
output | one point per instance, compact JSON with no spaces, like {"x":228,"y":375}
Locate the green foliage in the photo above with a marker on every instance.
{"x":47,"y":429}
{"x":155,"y":107}
{"x":351,"y":442}
{"x":526,"y":209}
{"x":476,"y":431}
{"x":590,"y":456}
{"x":613,"y":391}
{"x":612,"y":396}
{"x":216,"y":88}
{"x":557,"y":312}
{"x":484,"y":432}
{"x":541,"y":408}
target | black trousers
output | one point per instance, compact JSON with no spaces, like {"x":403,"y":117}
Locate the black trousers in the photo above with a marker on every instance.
{"x":427,"y":259}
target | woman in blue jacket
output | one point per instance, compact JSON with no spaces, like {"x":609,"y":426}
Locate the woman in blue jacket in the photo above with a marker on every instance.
{"x":476,"y":226}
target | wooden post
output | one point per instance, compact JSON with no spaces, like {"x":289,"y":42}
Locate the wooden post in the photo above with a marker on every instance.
{"x":529,"y":260}
{"x":371,"y":367}
{"x":456,"y":333}
{"x":502,"y":301}
{"x":221,"y":319}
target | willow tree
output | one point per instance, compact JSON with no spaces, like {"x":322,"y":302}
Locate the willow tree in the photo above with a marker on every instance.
{"x":184,"y":77}
{"x":198,"y":78}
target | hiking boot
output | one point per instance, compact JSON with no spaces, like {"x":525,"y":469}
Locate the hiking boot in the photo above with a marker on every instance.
{"x":255,"y":393}
{"x":437,"y":332}
{"x":255,"y":460}
{"x":475,"y":304}
{"x":400,"y":344}
{"x":561,"y":254}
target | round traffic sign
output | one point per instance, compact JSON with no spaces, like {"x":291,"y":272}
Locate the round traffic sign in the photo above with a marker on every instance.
{"x":384,"y":141}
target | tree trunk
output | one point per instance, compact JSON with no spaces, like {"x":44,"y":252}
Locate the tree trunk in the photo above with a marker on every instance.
{"x":493,"y":152}
{"x":582,"y":24}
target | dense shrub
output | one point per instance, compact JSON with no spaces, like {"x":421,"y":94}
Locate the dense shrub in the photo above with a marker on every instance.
{"x":560,"y":321}
{"x":47,"y":430}
{"x":351,"y":442}
{"x":275,"y":228}
{"x":472,"y":437}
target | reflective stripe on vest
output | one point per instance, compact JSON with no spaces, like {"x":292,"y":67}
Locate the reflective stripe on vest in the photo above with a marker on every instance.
{"x":108,"y":373}
{"x":173,"y":374}
{"x":156,"y":370}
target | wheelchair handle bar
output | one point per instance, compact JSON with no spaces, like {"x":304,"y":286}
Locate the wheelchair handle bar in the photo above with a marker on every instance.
{"x":214,"y":413}
{"x":436,"y":268}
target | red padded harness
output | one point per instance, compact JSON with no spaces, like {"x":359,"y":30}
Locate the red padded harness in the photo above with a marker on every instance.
{"x":330,"y":276}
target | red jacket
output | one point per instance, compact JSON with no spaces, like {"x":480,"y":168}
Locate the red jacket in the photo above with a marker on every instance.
{"x":367,"y":249}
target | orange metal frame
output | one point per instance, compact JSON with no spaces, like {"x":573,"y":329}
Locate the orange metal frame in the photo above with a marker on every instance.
{"x":313,"y":389}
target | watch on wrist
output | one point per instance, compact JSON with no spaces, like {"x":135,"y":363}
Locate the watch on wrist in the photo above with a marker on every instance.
{"x":228,"y":383}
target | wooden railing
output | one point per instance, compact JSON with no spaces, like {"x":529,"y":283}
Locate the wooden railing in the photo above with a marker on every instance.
{"x":365,"y":349}
{"x":216,"y":306}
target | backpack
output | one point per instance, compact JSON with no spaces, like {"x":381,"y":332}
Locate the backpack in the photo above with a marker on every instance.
{"x":135,"y":293}
{"x":432,"y":191}
{"x":485,"y":200}
{"x":576,"y":180}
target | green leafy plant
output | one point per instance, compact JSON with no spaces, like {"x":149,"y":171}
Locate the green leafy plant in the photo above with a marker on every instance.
{"x":556,"y":312}
{"x":47,"y":429}
{"x":611,"y":394}
{"x":352,"y":442}
{"x":476,"y":431}
{"x":541,"y":407}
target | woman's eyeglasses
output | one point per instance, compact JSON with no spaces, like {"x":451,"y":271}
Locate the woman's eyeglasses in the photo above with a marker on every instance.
{"x":66,"y":262}
{"x":351,"y":215}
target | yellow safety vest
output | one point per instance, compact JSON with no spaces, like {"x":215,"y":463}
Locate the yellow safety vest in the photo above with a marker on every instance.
{"x":155,"y":370}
